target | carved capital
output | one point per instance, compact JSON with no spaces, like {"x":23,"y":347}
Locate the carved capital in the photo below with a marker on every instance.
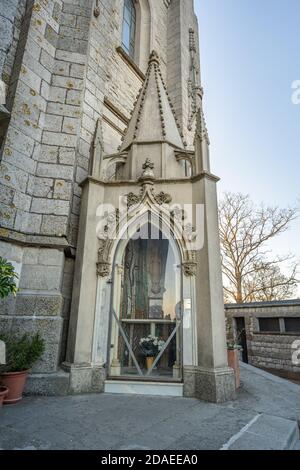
{"x":103,"y":269}
{"x":189,"y":268}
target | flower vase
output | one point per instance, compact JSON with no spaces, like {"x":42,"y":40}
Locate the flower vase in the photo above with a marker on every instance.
{"x":234,"y":363}
{"x":149,"y":362}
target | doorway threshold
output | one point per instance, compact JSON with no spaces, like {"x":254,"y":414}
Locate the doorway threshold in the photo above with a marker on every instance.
{"x":130,"y":387}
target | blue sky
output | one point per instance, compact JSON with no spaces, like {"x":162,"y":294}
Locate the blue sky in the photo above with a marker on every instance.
{"x":250,"y":56}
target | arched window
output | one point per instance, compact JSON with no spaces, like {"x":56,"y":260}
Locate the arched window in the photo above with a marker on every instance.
{"x":129,"y":27}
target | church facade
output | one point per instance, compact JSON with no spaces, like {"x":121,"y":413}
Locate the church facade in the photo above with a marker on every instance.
{"x":108,"y":206}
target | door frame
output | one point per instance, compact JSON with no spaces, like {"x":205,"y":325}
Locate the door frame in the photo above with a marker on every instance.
{"x":118,"y":256}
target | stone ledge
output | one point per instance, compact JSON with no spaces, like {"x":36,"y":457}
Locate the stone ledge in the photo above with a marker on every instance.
{"x":128,"y":60}
{"x":85,"y":378}
{"x":44,"y":241}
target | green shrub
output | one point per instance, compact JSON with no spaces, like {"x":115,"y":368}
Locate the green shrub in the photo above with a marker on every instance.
{"x":22,"y":353}
{"x":8,"y":278}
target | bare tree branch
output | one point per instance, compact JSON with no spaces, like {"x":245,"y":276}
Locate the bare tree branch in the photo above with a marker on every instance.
{"x":245,"y":230}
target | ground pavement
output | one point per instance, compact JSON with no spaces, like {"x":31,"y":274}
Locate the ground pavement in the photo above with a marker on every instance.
{"x":263,"y":416}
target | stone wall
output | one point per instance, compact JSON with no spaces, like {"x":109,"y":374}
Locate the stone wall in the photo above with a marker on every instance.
{"x":268,"y":350}
{"x":68,"y":72}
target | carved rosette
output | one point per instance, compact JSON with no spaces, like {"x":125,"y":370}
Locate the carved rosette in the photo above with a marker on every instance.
{"x":133,"y":199}
{"x":162,"y":198}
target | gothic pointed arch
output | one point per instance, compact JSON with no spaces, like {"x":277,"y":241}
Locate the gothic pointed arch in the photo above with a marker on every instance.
{"x":129,"y":27}
{"x":136,"y":31}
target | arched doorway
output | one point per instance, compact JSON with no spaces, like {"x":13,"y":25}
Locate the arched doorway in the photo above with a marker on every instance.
{"x":145,"y":339}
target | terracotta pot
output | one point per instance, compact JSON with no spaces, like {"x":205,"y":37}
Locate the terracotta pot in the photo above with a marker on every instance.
{"x":149,"y":362}
{"x":234,"y":363}
{"x":15,"y":382}
{"x":3,"y":392}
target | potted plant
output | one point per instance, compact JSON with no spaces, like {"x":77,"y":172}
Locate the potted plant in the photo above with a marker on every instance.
{"x":8,"y":285}
{"x":151,"y":347}
{"x":234,"y":361}
{"x":21,"y":354}
{"x":233,"y":353}
{"x":8,"y":278}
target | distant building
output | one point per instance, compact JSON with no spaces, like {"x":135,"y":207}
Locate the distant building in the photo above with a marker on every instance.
{"x":269,"y":334}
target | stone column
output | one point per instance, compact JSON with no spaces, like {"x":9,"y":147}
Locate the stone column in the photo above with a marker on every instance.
{"x":212,"y":379}
{"x":115,"y":367}
{"x":84,"y":376}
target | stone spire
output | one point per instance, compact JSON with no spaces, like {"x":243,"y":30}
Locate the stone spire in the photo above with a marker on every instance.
{"x":153,"y":118}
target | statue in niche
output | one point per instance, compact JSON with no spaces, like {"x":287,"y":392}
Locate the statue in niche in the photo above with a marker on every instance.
{"x":145,"y":265}
{"x":135,"y":289}
{"x":158,"y":254}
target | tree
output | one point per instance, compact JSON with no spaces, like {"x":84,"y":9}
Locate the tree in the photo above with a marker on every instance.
{"x":245,"y":230}
{"x":8,"y":278}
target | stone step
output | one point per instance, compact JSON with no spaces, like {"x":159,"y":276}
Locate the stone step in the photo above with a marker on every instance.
{"x":266,"y":432}
{"x":131,"y":387}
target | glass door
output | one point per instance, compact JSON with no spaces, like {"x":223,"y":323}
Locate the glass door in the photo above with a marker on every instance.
{"x":146,"y":319}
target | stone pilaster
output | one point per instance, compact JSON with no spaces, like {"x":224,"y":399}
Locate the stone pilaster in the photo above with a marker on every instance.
{"x":85,"y":378}
{"x":214,"y":380}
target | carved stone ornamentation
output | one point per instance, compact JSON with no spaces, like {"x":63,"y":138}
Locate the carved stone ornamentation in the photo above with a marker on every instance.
{"x":148,"y":165}
{"x":97,"y":151}
{"x":148,"y":173}
{"x":147,"y":182}
{"x":106,"y":238}
{"x":189,"y":268}
{"x":162,"y":198}
{"x":103,"y":264}
{"x":103,"y":269}
{"x":195,"y":91}
{"x":189,"y":232}
{"x":97,"y":9}
{"x":178,"y":214}
{"x":133,"y":199}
